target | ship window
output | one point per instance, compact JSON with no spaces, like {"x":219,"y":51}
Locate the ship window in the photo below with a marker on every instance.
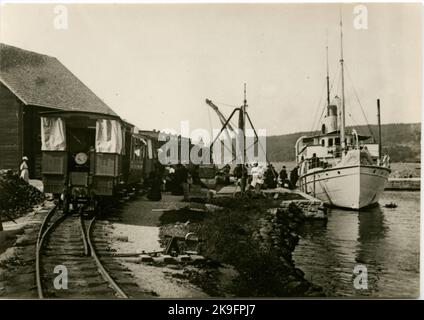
{"x":337,"y":142}
{"x":323,"y":142}
{"x":330,"y":142}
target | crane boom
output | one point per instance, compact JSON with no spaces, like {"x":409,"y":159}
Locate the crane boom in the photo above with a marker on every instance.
{"x":219,"y":113}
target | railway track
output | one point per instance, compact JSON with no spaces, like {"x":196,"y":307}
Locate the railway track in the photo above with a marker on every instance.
{"x":68,"y":263}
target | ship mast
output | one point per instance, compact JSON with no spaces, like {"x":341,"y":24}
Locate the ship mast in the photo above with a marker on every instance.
{"x":328,"y":78}
{"x":342,"y":114}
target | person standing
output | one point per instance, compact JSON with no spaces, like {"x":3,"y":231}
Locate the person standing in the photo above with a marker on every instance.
{"x":257,"y":178}
{"x":293,"y":177}
{"x":283,"y":174}
{"x":270,"y":177}
{"x":155,"y":181}
{"x":24,"y":169}
{"x":260,"y":181}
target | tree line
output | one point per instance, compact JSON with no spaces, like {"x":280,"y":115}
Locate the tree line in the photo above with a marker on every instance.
{"x":401,"y":141}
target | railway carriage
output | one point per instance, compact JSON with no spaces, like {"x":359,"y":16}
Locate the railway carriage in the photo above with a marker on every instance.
{"x":87,"y":157}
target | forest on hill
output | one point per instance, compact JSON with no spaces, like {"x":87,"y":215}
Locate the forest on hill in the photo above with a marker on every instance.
{"x":401,"y":141}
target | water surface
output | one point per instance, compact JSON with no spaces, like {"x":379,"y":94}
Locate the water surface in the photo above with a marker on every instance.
{"x":386,"y":241}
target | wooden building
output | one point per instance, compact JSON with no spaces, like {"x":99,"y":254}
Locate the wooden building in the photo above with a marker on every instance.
{"x":29,"y":84}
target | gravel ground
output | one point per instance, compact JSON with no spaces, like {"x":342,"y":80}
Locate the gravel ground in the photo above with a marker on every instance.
{"x":17,"y":254}
{"x":139,"y":221}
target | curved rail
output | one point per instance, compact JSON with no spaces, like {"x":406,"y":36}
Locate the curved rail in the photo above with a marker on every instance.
{"x":46,"y":229}
{"x":40,"y":239}
{"x":100,"y":267}
{"x":84,"y":236}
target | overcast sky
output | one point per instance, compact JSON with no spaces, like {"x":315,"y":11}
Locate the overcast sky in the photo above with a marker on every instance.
{"x":156,"y":64}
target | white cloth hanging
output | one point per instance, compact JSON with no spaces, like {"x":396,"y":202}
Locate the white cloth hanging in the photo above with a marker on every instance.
{"x":109,"y":138}
{"x":53,"y":137}
{"x":149,"y":149}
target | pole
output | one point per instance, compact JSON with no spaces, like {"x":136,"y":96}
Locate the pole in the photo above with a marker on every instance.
{"x":242,"y":127}
{"x":328,"y":79}
{"x":379,"y":129}
{"x":342,"y":115}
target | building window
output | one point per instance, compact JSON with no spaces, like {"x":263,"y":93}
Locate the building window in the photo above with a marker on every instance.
{"x":337,"y":141}
{"x":322,"y":142}
{"x":330,"y":142}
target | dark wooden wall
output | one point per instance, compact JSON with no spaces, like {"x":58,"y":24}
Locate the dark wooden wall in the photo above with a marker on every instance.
{"x":20,"y":133}
{"x":10,"y":129}
{"x":32,"y":140}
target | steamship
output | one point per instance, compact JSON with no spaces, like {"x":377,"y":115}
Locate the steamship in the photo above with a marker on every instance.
{"x":342,"y":169}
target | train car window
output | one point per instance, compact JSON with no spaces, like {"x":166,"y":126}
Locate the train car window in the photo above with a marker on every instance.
{"x":138,"y":145}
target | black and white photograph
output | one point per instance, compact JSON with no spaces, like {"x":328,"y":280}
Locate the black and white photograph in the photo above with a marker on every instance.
{"x":203,"y":151}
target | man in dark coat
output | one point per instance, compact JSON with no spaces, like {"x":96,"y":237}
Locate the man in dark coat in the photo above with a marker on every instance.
{"x":270,"y":177}
{"x":283,"y":174}
{"x":293,"y":177}
{"x":180,"y":178}
{"x":155,"y":190}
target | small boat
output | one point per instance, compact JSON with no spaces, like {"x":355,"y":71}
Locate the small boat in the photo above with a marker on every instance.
{"x":390,"y":205}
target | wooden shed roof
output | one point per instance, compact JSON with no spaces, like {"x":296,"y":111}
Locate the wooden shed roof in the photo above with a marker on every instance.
{"x":40,"y":80}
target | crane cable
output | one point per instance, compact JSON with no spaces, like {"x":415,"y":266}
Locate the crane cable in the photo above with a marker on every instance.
{"x":315,"y":125}
{"x":359,"y":102}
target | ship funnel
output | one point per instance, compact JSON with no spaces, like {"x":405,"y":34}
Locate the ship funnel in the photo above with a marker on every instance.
{"x":330,"y":123}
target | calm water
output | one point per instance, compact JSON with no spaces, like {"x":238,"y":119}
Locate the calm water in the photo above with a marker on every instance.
{"x":386,"y":241}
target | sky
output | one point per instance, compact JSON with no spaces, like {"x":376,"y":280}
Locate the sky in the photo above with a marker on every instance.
{"x":155,"y":64}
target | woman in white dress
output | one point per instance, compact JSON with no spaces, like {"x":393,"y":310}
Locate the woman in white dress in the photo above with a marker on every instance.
{"x":24,"y":169}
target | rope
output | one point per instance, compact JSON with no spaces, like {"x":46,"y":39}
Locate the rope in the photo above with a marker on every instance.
{"x":317,"y":109}
{"x":359,"y":102}
{"x":316,"y":121}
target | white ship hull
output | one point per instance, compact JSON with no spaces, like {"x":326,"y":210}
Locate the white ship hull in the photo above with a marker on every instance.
{"x":353,"y":187}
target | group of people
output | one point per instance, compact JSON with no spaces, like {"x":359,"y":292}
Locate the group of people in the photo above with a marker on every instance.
{"x":259,"y":178}
{"x":177,"y":179}
{"x":286,"y":181}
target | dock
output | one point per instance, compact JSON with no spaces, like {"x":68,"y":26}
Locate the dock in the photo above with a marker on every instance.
{"x":405,"y":184}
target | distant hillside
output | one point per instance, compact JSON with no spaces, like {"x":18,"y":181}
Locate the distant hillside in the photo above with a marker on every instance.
{"x":401,"y":141}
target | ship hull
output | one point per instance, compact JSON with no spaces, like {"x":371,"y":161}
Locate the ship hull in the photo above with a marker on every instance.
{"x":353,"y":187}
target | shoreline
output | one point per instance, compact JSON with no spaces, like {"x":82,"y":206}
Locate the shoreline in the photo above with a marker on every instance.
{"x":248,"y":246}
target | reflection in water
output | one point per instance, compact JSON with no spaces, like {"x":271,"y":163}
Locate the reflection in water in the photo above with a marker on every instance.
{"x":370,"y":248}
{"x":385,"y":240}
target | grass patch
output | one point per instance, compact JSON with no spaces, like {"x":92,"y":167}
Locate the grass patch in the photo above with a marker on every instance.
{"x":228,"y":238}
